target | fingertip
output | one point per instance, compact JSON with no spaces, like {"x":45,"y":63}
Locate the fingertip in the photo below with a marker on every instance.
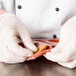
{"x":47,"y":55}
{"x":53,"y":50}
{"x":32,"y":47}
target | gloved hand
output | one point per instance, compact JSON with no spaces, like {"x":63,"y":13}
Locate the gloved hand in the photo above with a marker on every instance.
{"x":65,"y":52}
{"x":10,"y":51}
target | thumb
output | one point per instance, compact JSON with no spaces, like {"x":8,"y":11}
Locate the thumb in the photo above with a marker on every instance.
{"x":61,"y":54}
{"x":13,"y":46}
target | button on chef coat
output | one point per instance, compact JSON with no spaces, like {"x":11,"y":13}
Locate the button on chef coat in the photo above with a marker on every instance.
{"x":43,"y":18}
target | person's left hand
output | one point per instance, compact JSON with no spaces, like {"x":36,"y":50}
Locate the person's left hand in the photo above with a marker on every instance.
{"x":65,"y":52}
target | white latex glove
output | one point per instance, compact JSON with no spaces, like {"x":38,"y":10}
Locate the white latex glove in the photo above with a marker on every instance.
{"x":65,"y":52}
{"x":10,"y":51}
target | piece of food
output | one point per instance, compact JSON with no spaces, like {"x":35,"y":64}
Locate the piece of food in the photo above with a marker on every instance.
{"x":43,"y":45}
{"x":41,"y":50}
{"x":54,"y":40}
{"x":38,"y":54}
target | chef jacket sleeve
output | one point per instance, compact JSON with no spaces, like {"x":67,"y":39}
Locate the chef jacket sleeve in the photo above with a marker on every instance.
{"x":8,"y":5}
{"x":0,"y":4}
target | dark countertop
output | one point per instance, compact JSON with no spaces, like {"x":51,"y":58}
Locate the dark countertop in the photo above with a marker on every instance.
{"x":38,"y":67}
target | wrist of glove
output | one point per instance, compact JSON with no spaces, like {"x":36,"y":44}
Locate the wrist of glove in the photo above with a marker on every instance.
{"x":65,"y":52}
{"x":10,"y":51}
{"x":2,"y":12}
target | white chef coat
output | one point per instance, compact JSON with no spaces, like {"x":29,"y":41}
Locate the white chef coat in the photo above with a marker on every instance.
{"x":43,"y":18}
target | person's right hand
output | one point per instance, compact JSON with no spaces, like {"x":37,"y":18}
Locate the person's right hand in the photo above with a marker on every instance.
{"x":10,"y":51}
